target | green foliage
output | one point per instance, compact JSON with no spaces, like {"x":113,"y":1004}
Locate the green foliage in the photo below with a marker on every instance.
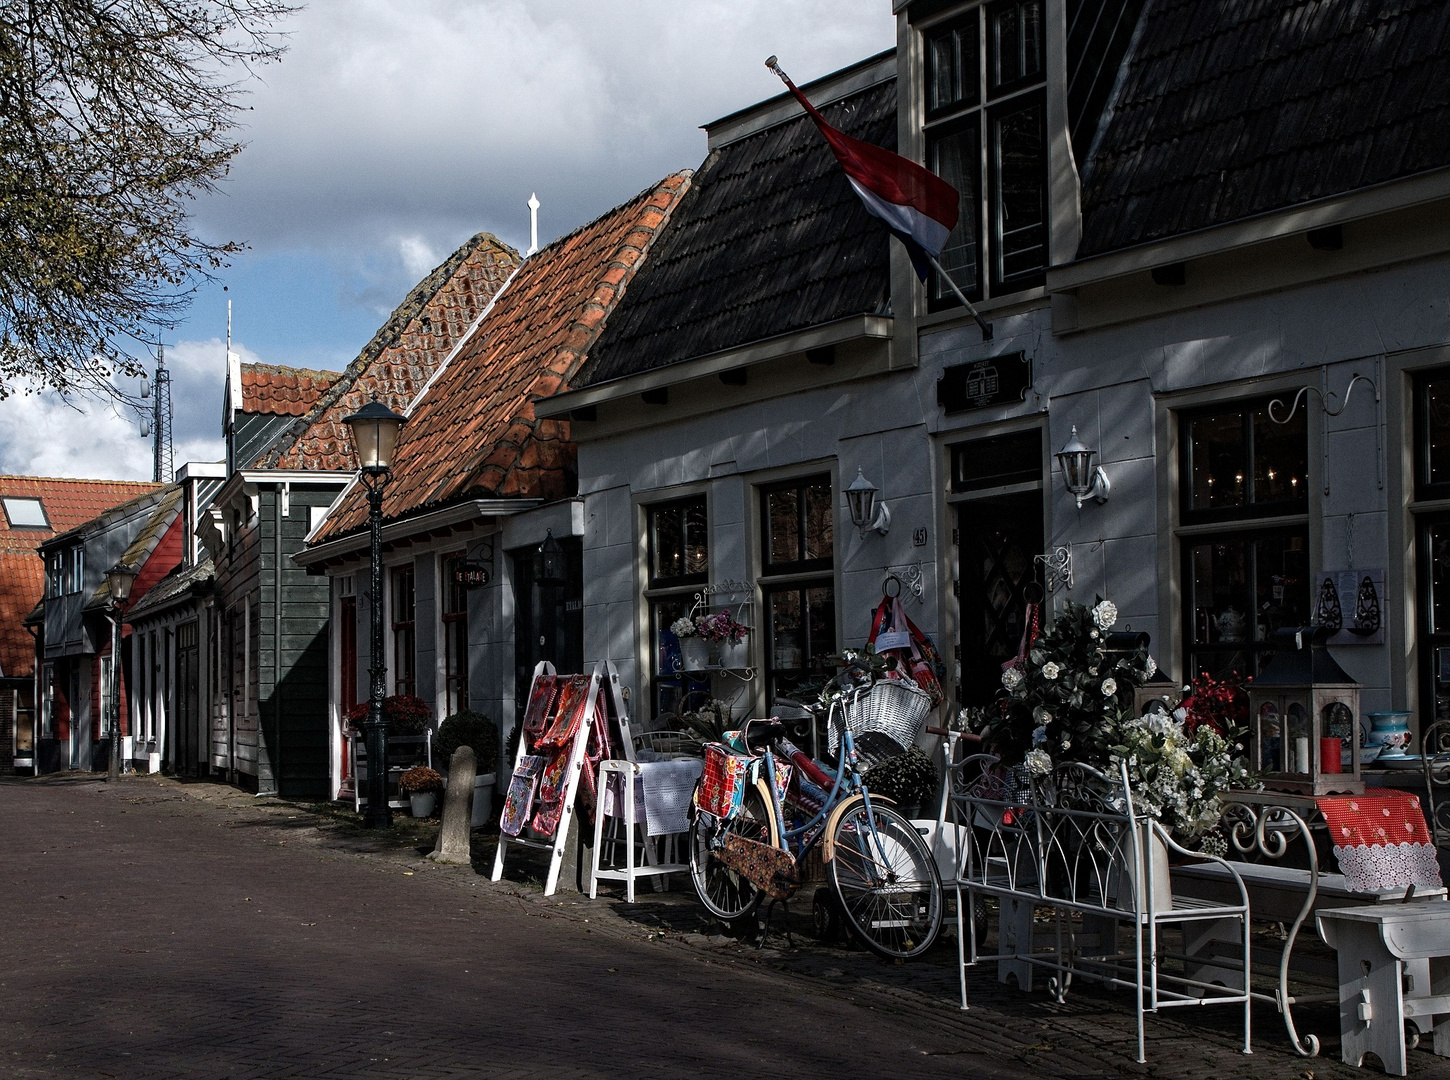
{"x":1070,"y":694}
{"x":471,"y":729}
{"x":908,"y":778}
{"x":114,"y":115}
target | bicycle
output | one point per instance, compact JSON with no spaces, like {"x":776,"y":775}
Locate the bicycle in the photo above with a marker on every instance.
{"x":881,"y":871}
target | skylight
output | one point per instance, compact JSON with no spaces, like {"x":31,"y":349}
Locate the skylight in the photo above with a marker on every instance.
{"x":25,"y":513}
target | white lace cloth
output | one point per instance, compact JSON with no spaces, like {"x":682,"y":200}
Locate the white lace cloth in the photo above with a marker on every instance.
{"x":1370,"y":868}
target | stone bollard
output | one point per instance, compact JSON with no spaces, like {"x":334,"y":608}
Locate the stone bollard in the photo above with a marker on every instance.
{"x":453,"y":837}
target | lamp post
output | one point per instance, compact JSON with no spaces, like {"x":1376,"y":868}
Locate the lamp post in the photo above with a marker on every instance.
{"x":375,"y":433}
{"x":119,"y":579}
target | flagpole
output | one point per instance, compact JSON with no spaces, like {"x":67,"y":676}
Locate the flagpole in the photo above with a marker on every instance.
{"x":986,"y":326}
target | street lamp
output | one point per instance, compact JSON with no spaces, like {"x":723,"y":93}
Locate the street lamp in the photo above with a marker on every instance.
{"x":119,"y":579}
{"x":375,"y":434}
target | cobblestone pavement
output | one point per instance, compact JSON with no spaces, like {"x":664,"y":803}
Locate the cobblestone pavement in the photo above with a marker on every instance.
{"x":158,"y":929}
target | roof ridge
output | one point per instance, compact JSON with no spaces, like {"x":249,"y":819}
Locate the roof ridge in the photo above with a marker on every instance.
{"x":386,"y":336}
{"x":75,"y":480}
{"x":259,"y":365}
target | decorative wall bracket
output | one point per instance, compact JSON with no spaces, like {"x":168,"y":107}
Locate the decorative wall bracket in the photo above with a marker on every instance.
{"x":908,"y":580}
{"x":1325,"y":394}
{"x":1058,"y":567}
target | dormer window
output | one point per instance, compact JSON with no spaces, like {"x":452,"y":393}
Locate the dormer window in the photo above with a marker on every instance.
{"x":986,"y":135}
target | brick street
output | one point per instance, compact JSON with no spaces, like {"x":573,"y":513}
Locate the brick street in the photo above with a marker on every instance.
{"x":165,"y":930}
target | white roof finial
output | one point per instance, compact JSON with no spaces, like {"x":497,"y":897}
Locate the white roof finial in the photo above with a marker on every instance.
{"x":533,"y":223}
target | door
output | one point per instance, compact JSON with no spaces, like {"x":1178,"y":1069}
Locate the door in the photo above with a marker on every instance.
{"x":80,"y":722}
{"x":548,"y":619}
{"x":998,"y":538}
{"x":188,"y":690}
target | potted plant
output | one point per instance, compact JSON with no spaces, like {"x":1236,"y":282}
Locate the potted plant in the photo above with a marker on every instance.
{"x":729,"y":636}
{"x":406,"y":714}
{"x":421,"y":785}
{"x":907,"y":779}
{"x":694,"y":650}
{"x":475,"y":730}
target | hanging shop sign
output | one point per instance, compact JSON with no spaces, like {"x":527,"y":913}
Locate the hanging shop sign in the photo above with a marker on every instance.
{"x":993,"y":381}
{"x":472,"y":574}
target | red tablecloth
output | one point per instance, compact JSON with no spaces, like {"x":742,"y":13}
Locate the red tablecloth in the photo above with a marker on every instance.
{"x":1381,"y":840}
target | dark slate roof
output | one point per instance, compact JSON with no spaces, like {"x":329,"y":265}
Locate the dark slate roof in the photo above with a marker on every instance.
{"x":1231,"y":108}
{"x":769,"y":239}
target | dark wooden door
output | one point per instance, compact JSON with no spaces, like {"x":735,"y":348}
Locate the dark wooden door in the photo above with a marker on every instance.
{"x":188,"y":693}
{"x":549,"y":619}
{"x":997,"y":540}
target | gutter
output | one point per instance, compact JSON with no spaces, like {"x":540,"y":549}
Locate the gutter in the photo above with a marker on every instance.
{"x":851,"y":328}
{"x":457,"y":514}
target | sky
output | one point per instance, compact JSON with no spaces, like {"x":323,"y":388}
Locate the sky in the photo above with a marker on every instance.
{"x":393,"y":130}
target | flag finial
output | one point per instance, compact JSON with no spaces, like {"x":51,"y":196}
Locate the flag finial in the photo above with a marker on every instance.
{"x":774,"y":65}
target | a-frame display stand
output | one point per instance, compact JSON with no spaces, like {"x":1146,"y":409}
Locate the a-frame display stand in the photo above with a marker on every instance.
{"x":605,"y":678}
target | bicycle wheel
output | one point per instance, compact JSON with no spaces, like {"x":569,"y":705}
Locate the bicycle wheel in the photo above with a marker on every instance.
{"x":727,"y":894}
{"x":886,"y":879}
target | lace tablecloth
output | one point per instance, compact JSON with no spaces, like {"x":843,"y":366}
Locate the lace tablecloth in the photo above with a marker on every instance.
{"x":662,"y":795}
{"x":1381,"y":840}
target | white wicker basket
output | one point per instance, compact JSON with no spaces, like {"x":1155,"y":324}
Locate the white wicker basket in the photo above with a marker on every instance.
{"x":892,"y":707}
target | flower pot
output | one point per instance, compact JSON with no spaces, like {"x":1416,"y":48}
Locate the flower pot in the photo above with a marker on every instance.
{"x":422,"y":803}
{"x":694,"y":653}
{"x":1389,"y":729}
{"x":482,"y":799}
{"x":1153,"y":852}
{"x":734,"y":654}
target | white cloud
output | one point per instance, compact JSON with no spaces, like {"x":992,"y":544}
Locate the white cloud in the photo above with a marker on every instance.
{"x":99,"y":437}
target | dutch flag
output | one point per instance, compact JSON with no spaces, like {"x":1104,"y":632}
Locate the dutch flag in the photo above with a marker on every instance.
{"x":917,"y":205}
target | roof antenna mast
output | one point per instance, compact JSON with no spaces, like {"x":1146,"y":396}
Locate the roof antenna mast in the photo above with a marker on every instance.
{"x":533,"y":222}
{"x":163,"y":455}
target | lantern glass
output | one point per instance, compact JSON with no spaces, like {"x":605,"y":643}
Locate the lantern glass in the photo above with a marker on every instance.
{"x":1299,"y":740}
{"x":119,"y":580}
{"x":861,"y":498}
{"x":549,"y":567}
{"x":1269,"y":737}
{"x":375,"y":434}
{"x":1077,"y":465}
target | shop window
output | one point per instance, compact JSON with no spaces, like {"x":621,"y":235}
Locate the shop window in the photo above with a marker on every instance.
{"x":455,"y":637}
{"x":1240,"y":589}
{"x":797,"y":584}
{"x":1239,"y":463}
{"x":404,"y":630}
{"x":994,"y":154}
{"x":1432,"y":435}
{"x":679,"y":566}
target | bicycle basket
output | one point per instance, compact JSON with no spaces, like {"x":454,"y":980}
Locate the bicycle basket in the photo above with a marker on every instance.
{"x":892,"y":707}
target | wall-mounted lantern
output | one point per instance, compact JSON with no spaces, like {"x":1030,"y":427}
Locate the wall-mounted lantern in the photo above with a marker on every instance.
{"x":549,"y":565}
{"x":866,"y":512}
{"x":1081,"y":478}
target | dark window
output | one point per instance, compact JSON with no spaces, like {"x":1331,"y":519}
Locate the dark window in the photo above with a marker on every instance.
{"x":1432,"y":434}
{"x":1239,"y":463}
{"x":679,"y":564}
{"x":455,"y":638}
{"x":404,"y":631}
{"x":955,"y":154}
{"x":1018,"y":163}
{"x":997,"y":462}
{"x":54,"y":573}
{"x":1015,"y":49}
{"x":1239,"y":589}
{"x":995,"y":156}
{"x":952,"y":78}
{"x":796,"y":519}
{"x":797,"y":544}
{"x":679,"y":543}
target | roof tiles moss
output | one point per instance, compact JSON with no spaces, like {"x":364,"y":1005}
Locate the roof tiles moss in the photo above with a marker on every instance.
{"x":474,"y":432}
{"x":283,"y":391}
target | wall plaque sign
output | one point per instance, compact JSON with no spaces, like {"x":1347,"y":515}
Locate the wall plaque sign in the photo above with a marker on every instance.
{"x":993,"y":381}
{"x":471,"y":574}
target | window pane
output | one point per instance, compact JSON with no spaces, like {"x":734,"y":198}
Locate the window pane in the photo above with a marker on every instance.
{"x":679,"y":541}
{"x":951,"y":66}
{"x":818,"y":522}
{"x":820,"y":626}
{"x":1440,"y":578}
{"x":1281,"y":457}
{"x":1281,"y":584}
{"x":1222,"y":603}
{"x":1015,"y":42}
{"x":956,"y":158}
{"x":787,"y":641}
{"x":1019,"y":195}
{"x":1437,"y":429}
{"x":1216,"y":445}
{"x":25,"y":513}
{"x":783,"y":511}
{"x":1003,"y":459}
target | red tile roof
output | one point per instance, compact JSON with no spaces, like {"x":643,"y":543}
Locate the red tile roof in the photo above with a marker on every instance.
{"x":283,"y":391}
{"x":67,"y":503}
{"x":401,"y":357}
{"x":473,"y":433}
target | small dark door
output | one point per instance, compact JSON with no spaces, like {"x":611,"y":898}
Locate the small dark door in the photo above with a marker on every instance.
{"x":549,"y":619}
{"x":998,"y":538}
{"x":188,"y":690}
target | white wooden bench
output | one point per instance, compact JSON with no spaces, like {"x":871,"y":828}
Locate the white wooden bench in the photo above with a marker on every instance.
{"x":1394,"y":966}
